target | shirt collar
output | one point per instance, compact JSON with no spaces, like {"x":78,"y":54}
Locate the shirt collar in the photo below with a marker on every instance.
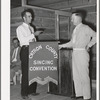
{"x":25,"y":24}
{"x":78,"y":25}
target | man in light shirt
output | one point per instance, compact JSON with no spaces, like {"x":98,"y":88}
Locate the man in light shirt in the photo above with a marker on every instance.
{"x":26,"y":34}
{"x":15,"y":63}
{"x":83,"y":38}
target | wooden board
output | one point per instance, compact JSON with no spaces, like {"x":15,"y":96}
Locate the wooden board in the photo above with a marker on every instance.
{"x":65,"y":75}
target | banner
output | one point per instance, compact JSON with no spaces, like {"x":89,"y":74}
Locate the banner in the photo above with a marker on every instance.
{"x":43,"y":62}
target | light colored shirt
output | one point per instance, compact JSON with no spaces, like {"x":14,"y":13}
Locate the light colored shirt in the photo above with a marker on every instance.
{"x":14,"y":56}
{"x":74,"y":31}
{"x":24,"y":34}
{"x":82,"y":36}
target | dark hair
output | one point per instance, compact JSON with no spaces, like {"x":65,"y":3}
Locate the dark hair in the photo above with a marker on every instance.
{"x":27,"y":10}
{"x":15,"y":39}
{"x":78,"y":14}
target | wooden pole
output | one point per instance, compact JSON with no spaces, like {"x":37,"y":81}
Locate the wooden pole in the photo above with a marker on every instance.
{"x":48,"y":88}
{"x":57,"y":26}
{"x":24,"y":2}
{"x":59,"y":74}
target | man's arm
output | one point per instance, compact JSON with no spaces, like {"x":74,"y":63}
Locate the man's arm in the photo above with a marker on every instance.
{"x":66,"y":45}
{"x":23,"y":38}
{"x":93,"y":37}
{"x":37,"y":33}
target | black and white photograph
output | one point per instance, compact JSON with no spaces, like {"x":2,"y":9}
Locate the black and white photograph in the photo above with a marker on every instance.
{"x":50,"y":50}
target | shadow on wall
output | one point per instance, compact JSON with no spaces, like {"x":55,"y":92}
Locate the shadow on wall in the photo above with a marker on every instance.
{"x":84,"y":14}
{"x":90,"y":25}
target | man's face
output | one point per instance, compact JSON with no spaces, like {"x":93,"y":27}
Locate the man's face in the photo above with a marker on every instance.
{"x":28,"y":18}
{"x":75,"y":19}
{"x":15,"y":43}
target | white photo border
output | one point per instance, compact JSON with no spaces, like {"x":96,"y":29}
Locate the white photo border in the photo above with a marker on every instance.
{"x":5,"y":50}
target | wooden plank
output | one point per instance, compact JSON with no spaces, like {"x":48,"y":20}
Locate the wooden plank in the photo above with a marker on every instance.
{"x":57,"y":27}
{"x":39,"y":22}
{"x":94,"y":48}
{"x":13,"y":32}
{"x":43,"y":18}
{"x":16,"y":12}
{"x":49,"y":31}
{"x":14,"y":21}
{"x":46,"y":37}
{"x":15,"y":3}
{"x":71,"y":4}
{"x":57,"y":5}
{"x":66,"y":74}
{"x":92,"y":69}
{"x":64,"y":27}
{"x":43,"y":2}
{"x":91,"y":18}
{"x":89,"y":1}
{"x":29,"y":6}
{"x":89,"y":9}
{"x":63,"y":13}
{"x":16,"y":24}
{"x":64,"y":36}
{"x":43,"y":12}
{"x":24,"y":2}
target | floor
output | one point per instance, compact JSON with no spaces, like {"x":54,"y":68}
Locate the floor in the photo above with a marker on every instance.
{"x":15,"y":94}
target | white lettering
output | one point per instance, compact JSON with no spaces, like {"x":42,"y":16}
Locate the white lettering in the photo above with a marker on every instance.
{"x":43,"y":68}
{"x":34,"y":51}
{"x":43,"y":62}
{"x":52,"y":50}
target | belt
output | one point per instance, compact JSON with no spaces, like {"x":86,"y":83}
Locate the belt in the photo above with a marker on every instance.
{"x":25,"y":46}
{"x":79,"y":49}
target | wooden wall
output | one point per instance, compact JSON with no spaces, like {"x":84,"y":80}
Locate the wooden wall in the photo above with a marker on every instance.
{"x":43,"y":19}
{"x":91,"y":19}
{"x":65,"y":86}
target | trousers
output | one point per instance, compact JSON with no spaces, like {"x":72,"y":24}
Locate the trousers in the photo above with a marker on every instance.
{"x":25,"y":88}
{"x":80,"y":64}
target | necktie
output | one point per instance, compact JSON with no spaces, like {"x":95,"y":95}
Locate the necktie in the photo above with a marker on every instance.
{"x":14,"y":56}
{"x":32,"y":31}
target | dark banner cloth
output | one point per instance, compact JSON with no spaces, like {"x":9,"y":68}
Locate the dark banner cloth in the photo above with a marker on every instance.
{"x":43,"y":62}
